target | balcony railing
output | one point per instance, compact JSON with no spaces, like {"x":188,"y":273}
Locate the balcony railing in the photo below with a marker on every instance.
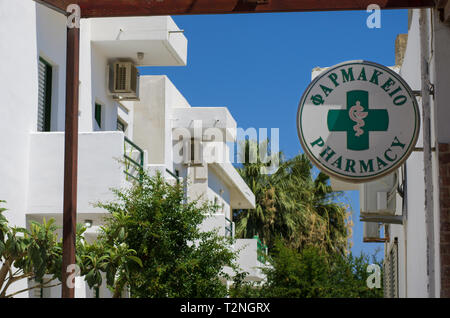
{"x":175,"y":175}
{"x":228,"y":228}
{"x":134,"y":161}
{"x":261,"y":250}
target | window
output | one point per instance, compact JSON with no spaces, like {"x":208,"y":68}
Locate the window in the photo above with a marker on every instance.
{"x":98,"y":114}
{"x":121,"y":126}
{"x":44,"y":95}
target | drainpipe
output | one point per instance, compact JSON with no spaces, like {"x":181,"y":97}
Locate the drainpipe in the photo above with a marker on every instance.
{"x":426,"y":114}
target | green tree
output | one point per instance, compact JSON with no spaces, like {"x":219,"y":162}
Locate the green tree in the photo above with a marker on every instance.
{"x":36,"y":253}
{"x":111,"y":256}
{"x":30,"y":254}
{"x":291,"y":204}
{"x":312,"y":273}
{"x":178,"y":260}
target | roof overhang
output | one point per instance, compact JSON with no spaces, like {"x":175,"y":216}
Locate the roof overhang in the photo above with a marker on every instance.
{"x":212,"y":121}
{"x":158,"y":38}
{"x":241,"y":197}
{"x":117,"y":8}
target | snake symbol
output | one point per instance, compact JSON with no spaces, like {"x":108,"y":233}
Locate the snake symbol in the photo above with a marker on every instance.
{"x":357,"y":115}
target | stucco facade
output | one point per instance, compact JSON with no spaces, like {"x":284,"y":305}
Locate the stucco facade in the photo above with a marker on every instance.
{"x":412,"y":235}
{"x":31,"y":167}
{"x":407,"y":242}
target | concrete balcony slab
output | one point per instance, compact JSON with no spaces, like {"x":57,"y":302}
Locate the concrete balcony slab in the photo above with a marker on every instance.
{"x":159,"y":38}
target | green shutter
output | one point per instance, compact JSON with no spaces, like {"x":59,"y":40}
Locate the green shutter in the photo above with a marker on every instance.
{"x":120,"y":126}
{"x":98,"y":114}
{"x":44,"y":95}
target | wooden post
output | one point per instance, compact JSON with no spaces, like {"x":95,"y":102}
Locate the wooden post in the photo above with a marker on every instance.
{"x":70,"y":153}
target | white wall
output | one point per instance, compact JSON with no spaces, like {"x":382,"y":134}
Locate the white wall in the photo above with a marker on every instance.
{"x":99,"y":92}
{"x":93,"y":85}
{"x":149,"y":118}
{"x":152,"y":120}
{"x":98,"y":171}
{"x":125,"y":111}
{"x":18,"y":113}
{"x":214,"y":222}
{"x":174,"y":99}
{"x":440,"y":77}
{"x":221,"y":191}
{"x":412,"y":235}
{"x":51,"y":41}
{"x":86,"y":98}
{"x":248,"y":258}
{"x":31,"y":163}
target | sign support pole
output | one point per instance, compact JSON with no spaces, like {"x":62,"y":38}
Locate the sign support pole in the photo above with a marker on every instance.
{"x":70,"y":153}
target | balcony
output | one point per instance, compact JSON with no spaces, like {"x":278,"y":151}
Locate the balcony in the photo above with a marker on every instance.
{"x":229,"y":228}
{"x":252,"y":258}
{"x":159,"y":38}
{"x":261,"y":250}
{"x":133,"y":161}
{"x":100,"y":168}
{"x":168,"y":175}
{"x":241,"y":197}
{"x":219,"y":222}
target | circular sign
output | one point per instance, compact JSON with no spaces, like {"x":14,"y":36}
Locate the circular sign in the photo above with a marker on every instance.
{"x":358,"y":121}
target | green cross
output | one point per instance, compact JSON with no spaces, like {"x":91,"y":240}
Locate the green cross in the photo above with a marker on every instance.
{"x":376,"y":120}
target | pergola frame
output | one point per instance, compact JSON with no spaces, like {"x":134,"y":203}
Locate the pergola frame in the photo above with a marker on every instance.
{"x":121,"y":8}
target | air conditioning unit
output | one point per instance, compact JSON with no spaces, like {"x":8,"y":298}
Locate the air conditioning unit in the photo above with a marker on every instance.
{"x":123,"y":80}
{"x":372,"y":232}
{"x":378,"y":197}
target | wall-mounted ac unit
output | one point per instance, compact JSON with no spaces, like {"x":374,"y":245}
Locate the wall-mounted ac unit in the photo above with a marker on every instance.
{"x":372,"y":232}
{"x":379,"y":197}
{"x":123,"y":80}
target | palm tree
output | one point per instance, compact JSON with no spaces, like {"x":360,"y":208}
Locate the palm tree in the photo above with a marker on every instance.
{"x":291,"y":204}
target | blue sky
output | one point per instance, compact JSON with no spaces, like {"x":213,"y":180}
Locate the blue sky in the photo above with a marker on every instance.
{"x":258,"y":65}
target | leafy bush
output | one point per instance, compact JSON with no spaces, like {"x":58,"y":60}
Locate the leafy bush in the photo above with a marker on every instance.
{"x":30,"y":254}
{"x":178,"y":260}
{"x":312,"y":273}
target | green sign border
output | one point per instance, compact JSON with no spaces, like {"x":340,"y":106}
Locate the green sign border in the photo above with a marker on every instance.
{"x":344,"y":177}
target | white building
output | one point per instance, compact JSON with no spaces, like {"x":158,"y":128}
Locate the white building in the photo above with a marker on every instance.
{"x":406,"y":250}
{"x":33,"y":51}
{"x":403,"y":229}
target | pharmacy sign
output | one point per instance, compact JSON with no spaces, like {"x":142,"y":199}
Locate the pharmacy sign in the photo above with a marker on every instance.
{"x":358,"y":121}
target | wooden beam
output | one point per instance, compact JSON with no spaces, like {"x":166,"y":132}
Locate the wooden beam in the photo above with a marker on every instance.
{"x":54,"y":6}
{"x":70,"y":158}
{"x":117,"y":8}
